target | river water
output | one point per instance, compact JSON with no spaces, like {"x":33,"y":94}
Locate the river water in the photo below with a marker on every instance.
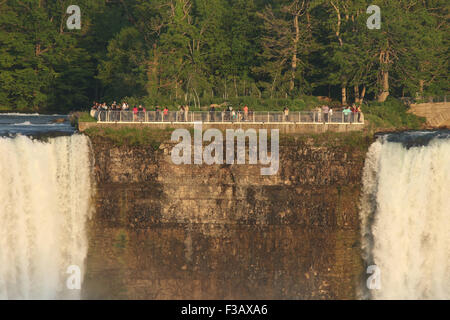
{"x":34,"y":124}
{"x":46,"y":188}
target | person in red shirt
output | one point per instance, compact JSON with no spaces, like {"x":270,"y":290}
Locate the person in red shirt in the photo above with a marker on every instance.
{"x":245,"y":113}
{"x":166,"y":113}
{"x":135,"y":112}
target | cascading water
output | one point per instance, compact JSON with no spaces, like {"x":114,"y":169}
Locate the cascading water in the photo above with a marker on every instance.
{"x":405,"y":215}
{"x":45,"y":200}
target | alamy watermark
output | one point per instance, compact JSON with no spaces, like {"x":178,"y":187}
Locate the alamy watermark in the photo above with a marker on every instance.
{"x":374,"y":21}
{"x":214,"y":152}
{"x":374,"y":281}
{"x":74,"y":20}
{"x":73,"y":282}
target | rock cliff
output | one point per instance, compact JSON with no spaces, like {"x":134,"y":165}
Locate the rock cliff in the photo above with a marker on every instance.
{"x":165,"y":231}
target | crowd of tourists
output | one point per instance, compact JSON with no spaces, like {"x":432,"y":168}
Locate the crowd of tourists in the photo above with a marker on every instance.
{"x":351,"y":113}
{"x":324,"y":113}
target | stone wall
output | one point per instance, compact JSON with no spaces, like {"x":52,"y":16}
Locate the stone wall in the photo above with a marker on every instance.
{"x":163,"y":231}
{"x":287,"y":128}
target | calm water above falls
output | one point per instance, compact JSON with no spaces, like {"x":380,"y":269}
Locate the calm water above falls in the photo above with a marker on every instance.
{"x":33,"y":124}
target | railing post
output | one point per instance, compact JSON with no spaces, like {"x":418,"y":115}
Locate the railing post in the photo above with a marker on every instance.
{"x":342,"y":117}
{"x":268,"y":117}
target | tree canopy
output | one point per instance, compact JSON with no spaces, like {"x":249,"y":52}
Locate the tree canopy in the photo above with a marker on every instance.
{"x":201,"y":51}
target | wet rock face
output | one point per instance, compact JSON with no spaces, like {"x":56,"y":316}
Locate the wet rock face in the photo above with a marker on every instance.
{"x":165,"y":231}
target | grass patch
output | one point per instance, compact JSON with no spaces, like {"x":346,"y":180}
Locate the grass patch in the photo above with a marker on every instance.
{"x":391,"y":114}
{"x":355,"y":140}
{"x":132,"y":136}
{"x":85,"y":117}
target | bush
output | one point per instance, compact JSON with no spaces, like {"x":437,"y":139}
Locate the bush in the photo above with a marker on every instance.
{"x":391,"y":114}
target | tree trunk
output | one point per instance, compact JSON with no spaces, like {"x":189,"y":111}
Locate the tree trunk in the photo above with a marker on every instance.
{"x":421,"y":85}
{"x":384,"y":61}
{"x":385,"y":85}
{"x":152,"y":73}
{"x":357,"y":98}
{"x":363,"y":94}
{"x":225,"y":96}
{"x":294,"y":55}
{"x":344,"y":96}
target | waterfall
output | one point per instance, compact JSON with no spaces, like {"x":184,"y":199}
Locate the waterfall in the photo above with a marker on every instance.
{"x":405,"y":216}
{"x":45,"y":193}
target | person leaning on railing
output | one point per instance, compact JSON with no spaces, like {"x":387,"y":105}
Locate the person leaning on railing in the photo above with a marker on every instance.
{"x":212,"y":113}
{"x":346,"y":113}
{"x":358,"y":110}
{"x":245,"y":113}
{"x":286,"y":113}
{"x":325,"y":111}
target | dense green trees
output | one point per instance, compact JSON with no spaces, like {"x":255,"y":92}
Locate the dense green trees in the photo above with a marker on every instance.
{"x":200,"y":51}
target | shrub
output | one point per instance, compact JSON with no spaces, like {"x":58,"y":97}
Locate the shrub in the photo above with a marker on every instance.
{"x":391,"y":114}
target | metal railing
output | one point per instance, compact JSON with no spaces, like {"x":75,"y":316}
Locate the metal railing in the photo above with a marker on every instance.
{"x":336,"y":117}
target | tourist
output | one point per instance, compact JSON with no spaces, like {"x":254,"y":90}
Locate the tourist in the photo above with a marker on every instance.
{"x":186,"y":111}
{"x":182,"y":110}
{"x":165,"y":113}
{"x":319,"y":114}
{"x":286,"y":113}
{"x":158,"y":113}
{"x":330,"y":114}
{"x":346,"y":113}
{"x":358,"y":110}
{"x":212,"y":113}
{"x":140,"y":113}
{"x":135,"y":113}
{"x":245,"y":113}
{"x":325,"y":111}
{"x":354,"y":111}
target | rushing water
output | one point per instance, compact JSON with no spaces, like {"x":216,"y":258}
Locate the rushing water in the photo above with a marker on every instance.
{"x":33,"y":124}
{"x":45,"y":195}
{"x":405,"y":214}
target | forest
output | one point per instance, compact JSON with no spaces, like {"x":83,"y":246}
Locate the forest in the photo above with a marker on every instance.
{"x":197,"y":52}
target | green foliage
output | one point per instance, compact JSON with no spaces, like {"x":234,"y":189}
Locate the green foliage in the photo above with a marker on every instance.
{"x":85,"y":117}
{"x":391,"y":114}
{"x":264,"y":53}
{"x":132,"y":136}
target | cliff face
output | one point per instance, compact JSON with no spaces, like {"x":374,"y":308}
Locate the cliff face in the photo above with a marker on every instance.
{"x":165,"y":231}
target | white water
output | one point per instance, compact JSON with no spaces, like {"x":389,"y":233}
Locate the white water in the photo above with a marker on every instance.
{"x":45,"y":193}
{"x":405,"y":215}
